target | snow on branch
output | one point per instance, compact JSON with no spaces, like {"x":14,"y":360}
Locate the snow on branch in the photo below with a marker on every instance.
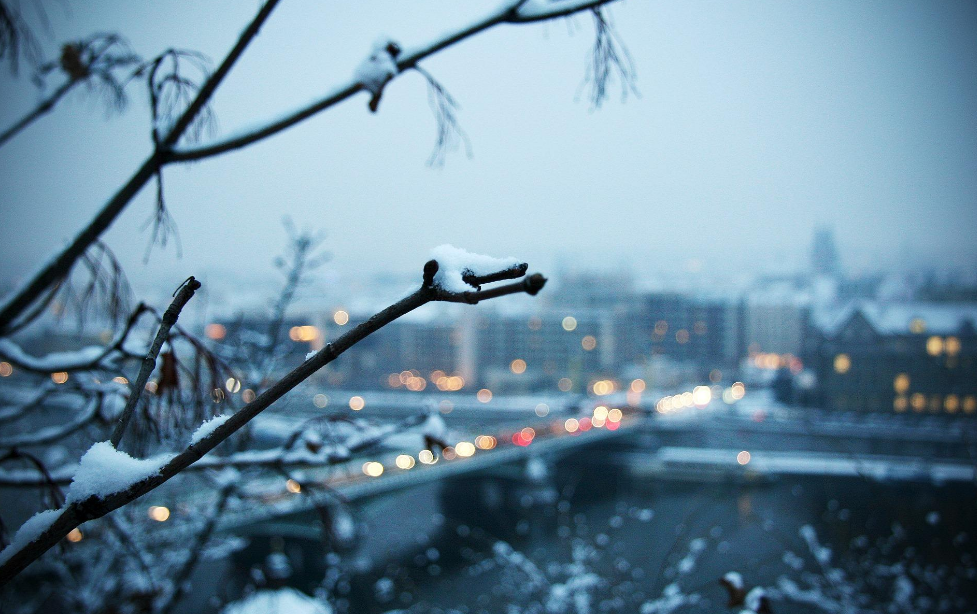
{"x":97,"y":494}
{"x":511,"y":12}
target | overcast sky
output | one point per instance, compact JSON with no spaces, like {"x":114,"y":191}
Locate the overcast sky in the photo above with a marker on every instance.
{"x":757,"y":121}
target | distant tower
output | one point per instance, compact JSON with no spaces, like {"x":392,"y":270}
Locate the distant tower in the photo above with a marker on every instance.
{"x":824,"y":254}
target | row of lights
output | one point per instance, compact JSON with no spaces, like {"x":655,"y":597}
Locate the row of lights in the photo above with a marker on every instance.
{"x":699,"y":397}
{"x":413,"y":381}
{"x":951,"y":403}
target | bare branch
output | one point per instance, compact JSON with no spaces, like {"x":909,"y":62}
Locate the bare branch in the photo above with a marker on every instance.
{"x":508,"y":13}
{"x":183,"y":295}
{"x":58,"y":268}
{"x":450,"y":134}
{"x":609,"y":56}
{"x":57,"y":523}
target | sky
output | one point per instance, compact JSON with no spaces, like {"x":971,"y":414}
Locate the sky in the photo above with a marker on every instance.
{"x":757,"y":121}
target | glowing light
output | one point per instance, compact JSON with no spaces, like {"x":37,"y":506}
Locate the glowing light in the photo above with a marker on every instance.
{"x":951,"y":403}
{"x":901,"y":383}
{"x":681,"y":336}
{"x":320,"y":400}
{"x":74,"y":536}
{"x":373,"y":469}
{"x":152,"y":387}
{"x":934,"y":346}
{"x":215,"y":331}
{"x":292,"y":486}
{"x":486,"y":442}
{"x":737,"y":391}
{"x":588,"y":343}
{"x":585,"y":424}
{"x":917,"y":326}
{"x":6,"y":369}
{"x":565,"y":384}
{"x":59,"y":378}
{"x":600,"y":412}
{"x":687,"y":399}
{"x":528,"y":433}
{"x":969,"y":404}
{"x":613,"y":426}
{"x":356,"y":403}
{"x":118,"y":379}
{"x":542,"y":410}
{"x":393,"y":380}
{"x":614,"y":415}
{"x":518,"y":366}
{"x":701,"y":396}
{"x":303,"y":333}
{"x":743,"y":457}
{"x":900,"y":404}
{"x":159,"y":513}
{"x":952,"y":346}
{"x":426,"y":457}
{"x":569,"y":323}
{"x":484,"y":395}
{"x":405,"y":461}
{"x":340,"y":317}
{"x":638,"y":385}
{"x":602,"y":387}
{"x":571,"y":425}
{"x":232,"y":385}
{"x":464,"y":449}
{"x":918,"y":401}
{"x":449,"y":453}
{"x":842,"y":364}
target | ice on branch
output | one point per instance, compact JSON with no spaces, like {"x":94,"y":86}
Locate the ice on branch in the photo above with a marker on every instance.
{"x":734,"y":579}
{"x":103,"y":471}
{"x":208,"y":427}
{"x":28,"y":532}
{"x":378,"y":68}
{"x":454,"y":264}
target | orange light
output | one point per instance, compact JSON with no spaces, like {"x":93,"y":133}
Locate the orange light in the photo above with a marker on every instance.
{"x":292,"y":486}
{"x":340,"y":317}
{"x":356,"y":403}
{"x":215,"y":331}
{"x":484,"y":395}
{"x":74,"y":536}
{"x":571,"y":425}
{"x":638,"y":385}
{"x":59,"y":378}
{"x":159,"y":513}
{"x":743,"y":457}
{"x":518,"y":366}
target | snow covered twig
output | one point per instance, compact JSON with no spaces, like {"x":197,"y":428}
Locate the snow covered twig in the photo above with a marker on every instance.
{"x":103,"y":490}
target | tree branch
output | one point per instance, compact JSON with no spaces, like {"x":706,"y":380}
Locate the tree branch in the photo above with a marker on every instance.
{"x":96,"y":506}
{"x":511,"y":12}
{"x":183,"y":295}
{"x":59,"y":267}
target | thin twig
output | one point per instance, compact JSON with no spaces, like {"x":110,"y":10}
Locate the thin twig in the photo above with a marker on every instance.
{"x":183,"y":295}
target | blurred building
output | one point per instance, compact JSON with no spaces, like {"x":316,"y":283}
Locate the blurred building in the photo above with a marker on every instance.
{"x":908,"y":357}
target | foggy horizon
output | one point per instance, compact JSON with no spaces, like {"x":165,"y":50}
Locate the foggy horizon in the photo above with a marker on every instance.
{"x":756,"y":123}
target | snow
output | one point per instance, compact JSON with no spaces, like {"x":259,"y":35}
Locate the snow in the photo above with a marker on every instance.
{"x":281,"y":601}
{"x":208,"y":427}
{"x":378,"y":68}
{"x":454,"y":262}
{"x":734,"y":578}
{"x":28,"y":532}
{"x":55,"y":361}
{"x":103,"y":471}
{"x":754,"y":598}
